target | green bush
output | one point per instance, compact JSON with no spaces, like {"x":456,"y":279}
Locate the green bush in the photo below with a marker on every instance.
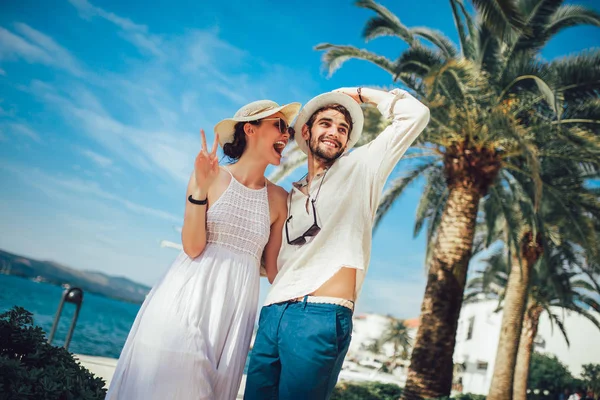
{"x":591,"y":377}
{"x":366,"y":391}
{"x":30,"y":368}
{"x":548,"y":373}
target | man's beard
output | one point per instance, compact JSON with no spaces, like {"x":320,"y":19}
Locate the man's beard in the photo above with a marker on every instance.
{"x":317,"y":152}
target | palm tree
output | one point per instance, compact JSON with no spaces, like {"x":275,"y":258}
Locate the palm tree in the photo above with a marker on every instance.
{"x":397,"y":334}
{"x":476,"y":95}
{"x":551,"y":287}
{"x":570,"y":300}
{"x":563,"y":227}
{"x":569,"y":212}
{"x":567,"y":217}
{"x":374,"y":347}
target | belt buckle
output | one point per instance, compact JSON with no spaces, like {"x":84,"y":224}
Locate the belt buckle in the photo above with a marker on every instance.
{"x":295,"y":300}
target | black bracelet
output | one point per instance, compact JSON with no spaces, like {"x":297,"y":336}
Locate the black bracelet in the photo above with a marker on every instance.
{"x":359,"y":96}
{"x":199,"y":202}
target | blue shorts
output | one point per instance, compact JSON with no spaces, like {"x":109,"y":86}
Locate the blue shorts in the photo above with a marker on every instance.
{"x":298,"y":351}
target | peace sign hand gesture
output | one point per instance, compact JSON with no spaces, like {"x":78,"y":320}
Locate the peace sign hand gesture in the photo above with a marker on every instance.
{"x":206,"y":166}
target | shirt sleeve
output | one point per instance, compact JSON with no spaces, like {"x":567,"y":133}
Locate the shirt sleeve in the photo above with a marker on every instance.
{"x":409,"y":118}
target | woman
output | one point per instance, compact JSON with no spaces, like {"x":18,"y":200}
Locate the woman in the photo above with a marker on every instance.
{"x":191,"y":337}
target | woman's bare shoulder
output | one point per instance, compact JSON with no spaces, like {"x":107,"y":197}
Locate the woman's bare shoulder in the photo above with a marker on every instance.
{"x":277,"y":193}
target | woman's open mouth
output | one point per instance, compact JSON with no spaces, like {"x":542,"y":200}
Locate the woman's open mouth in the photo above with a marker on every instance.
{"x":279,"y":146}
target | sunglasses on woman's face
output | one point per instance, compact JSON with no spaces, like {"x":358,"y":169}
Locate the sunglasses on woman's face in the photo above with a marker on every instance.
{"x":310,"y":232}
{"x":282,"y":125}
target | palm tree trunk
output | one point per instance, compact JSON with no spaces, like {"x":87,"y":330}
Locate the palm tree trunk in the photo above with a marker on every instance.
{"x":430,"y":372}
{"x":512,"y":318}
{"x":530,"y":327}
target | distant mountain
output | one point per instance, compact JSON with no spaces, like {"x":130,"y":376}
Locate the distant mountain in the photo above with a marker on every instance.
{"x":90,"y":281}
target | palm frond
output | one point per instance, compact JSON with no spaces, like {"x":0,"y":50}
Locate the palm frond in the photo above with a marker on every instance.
{"x":581,"y":284}
{"x":528,"y":41}
{"x":528,"y":70}
{"x":584,"y":313}
{"x":498,"y":207}
{"x":336,"y":55}
{"x":437,"y":38}
{"x":472,"y":29}
{"x":396,"y":188}
{"x":454,"y":79}
{"x":578,"y":76}
{"x":488,"y":52}
{"x":501,"y":16}
{"x":418,"y":60}
{"x":385,"y":23}
{"x":465,"y":39}
{"x":571,"y":15}
{"x":561,"y":326}
{"x":529,"y":152}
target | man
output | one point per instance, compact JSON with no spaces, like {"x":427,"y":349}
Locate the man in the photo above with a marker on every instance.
{"x":306,"y":324}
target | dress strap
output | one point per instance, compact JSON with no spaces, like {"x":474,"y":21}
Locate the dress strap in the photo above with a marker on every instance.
{"x":228,"y":171}
{"x":233,"y":178}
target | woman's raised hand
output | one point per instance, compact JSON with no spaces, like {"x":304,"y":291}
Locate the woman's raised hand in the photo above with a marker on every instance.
{"x":206,"y":166}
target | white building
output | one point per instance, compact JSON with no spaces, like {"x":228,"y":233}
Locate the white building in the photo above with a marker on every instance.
{"x":479,"y":331}
{"x":477,"y":338}
{"x":361,"y":364}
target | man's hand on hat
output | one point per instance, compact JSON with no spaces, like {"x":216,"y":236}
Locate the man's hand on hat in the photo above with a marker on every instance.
{"x":352,"y":92}
{"x":206,"y":166}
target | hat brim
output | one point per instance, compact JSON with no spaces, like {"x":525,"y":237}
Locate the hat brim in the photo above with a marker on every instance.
{"x":321,"y":101}
{"x":226,"y":128}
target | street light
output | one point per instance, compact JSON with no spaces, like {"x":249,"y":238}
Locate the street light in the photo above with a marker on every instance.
{"x":70,"y":295}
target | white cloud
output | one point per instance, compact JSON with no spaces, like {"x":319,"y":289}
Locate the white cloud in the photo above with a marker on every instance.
{"x":168,"y":152}
{"x":97,"y":158}
{"x":136,"y":116}
{"x":134,"y":33}
{"x":35,"y":47}
{"x":232,"y":94}
{"x":23,"y":130}
{"x":87,"y":10}
{"x":189,"y":101}
{"x":146,"y":116}
{"x":13,"y":46}
{"x":204,"y":50}
{"x":51,"y":185}
{"x":2,"y":72}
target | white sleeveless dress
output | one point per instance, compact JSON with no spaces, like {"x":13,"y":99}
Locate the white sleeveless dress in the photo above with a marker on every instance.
{"x":191,"y":336}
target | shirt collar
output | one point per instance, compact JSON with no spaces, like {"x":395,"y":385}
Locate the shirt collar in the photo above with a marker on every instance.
{"x":304,"y":181}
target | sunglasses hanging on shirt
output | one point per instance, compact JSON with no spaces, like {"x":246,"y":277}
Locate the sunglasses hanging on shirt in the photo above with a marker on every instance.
{"x":314,"y":229}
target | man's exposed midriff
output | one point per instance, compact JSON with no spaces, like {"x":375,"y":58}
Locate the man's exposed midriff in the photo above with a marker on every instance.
{"x":341,"y":285}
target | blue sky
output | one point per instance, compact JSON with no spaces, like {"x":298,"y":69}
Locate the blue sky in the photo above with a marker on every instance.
{"x":101,"y":103}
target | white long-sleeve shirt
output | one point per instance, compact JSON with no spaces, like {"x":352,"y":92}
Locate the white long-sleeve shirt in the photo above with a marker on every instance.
{"x":346,"y":205}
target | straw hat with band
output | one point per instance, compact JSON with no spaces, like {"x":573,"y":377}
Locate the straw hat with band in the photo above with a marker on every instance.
{"x":253,"y":112}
